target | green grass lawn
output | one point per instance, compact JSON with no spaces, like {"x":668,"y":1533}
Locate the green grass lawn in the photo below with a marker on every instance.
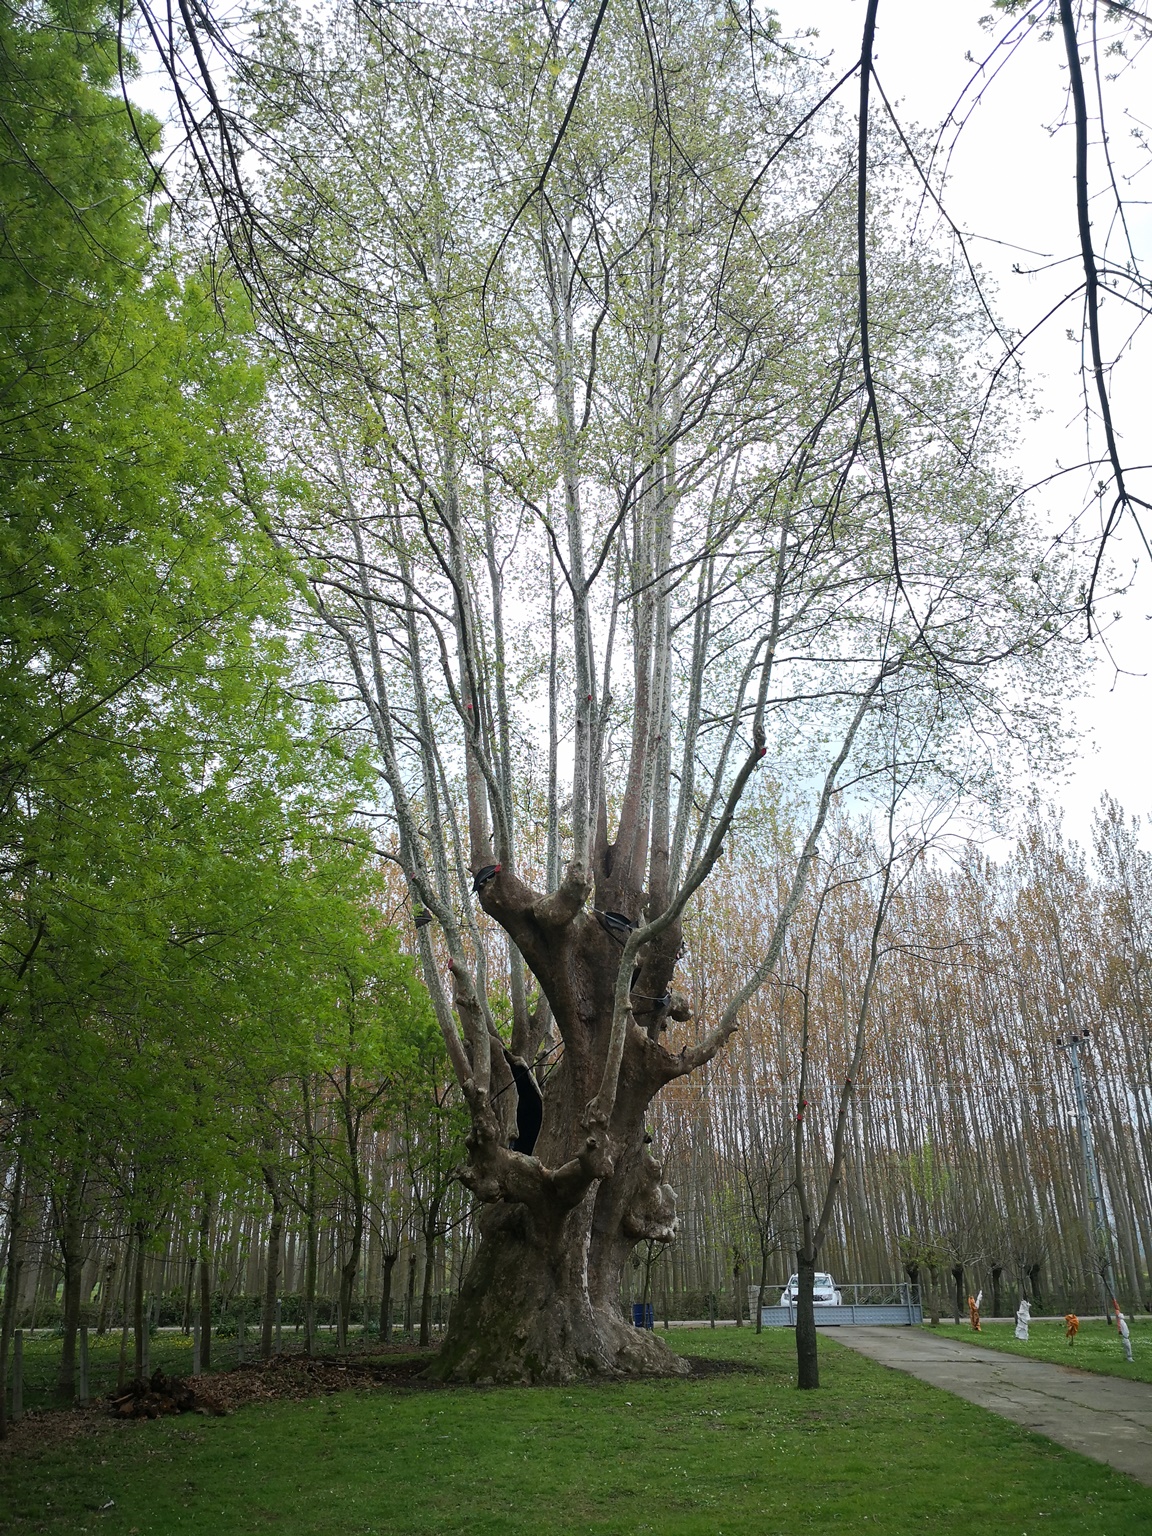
{"x":169,"y":1352}
{"x":1097,"y":1348}
{"x":727,"y":1455}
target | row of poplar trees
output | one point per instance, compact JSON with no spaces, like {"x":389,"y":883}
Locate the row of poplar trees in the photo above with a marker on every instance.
{"x":963,"y":1170}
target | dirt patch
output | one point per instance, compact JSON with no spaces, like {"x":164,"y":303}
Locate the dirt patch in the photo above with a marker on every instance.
{"x":294,"y":1377}
{"x":703,"y":1365}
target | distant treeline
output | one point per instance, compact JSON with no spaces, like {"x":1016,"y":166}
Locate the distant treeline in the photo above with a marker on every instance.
{"x":965,"y":1169}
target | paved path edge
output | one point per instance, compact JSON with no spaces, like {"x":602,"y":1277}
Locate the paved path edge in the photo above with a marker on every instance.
{"x":1103,"y":1417}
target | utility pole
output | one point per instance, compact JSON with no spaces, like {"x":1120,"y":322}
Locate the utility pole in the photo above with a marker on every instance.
{"x":1100,"y":1230}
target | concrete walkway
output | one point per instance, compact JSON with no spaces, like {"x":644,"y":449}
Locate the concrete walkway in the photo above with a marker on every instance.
{"x":1099,"y":1416}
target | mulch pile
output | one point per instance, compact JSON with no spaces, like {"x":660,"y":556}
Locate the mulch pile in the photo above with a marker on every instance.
{"x":164,"y":1394}
{"x":290,"y":1377}
{"x":294,"y":1377}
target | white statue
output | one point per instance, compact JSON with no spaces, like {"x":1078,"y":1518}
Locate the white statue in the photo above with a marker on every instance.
{"x":1125,"y":1338}
{"x":1023,"y":1318}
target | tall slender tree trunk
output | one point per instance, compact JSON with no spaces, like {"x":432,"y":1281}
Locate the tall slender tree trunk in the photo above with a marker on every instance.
{"x":125,"y":1312}
{"x":14,"y":1263}
{"x":311,"y":1263}
{"x":410,"y":1298}
{"x":70,"y":1319}
{"x":431,"y":1226}
{"x":763,"y":1281}
{"x":107,"y":1292}
{"x":426,"y":1292}
{"x":311,"y":1224}
{"x":350,"y":1268}
{"x":205,"y":1267}
{"x":387,"y":1265}
{"x":72,"y":1254}
{"x":272,"y":1269}
{"x":807,"y":1349}
{"x":139,"y":1322}
{"x":1034,"y":1282}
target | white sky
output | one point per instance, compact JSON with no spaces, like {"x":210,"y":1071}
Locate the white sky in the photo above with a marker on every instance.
{"x":1011,"y":180}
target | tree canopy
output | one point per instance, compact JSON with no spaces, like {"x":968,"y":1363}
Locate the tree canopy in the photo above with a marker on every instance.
{"x":188,"y":899}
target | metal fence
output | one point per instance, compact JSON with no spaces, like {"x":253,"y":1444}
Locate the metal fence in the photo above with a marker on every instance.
{"x":894,"y":1306}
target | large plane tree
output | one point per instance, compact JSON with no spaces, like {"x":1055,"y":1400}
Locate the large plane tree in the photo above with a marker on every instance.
{"x":578,"y":413}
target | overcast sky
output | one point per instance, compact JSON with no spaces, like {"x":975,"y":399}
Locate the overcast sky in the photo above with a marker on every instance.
{"x":1010,"y":181}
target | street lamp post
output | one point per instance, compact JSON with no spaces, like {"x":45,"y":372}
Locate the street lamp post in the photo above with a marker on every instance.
{"x":1100,"y":1230}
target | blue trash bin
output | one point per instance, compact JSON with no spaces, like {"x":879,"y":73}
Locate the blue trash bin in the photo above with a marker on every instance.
{"x":642,"y":1314}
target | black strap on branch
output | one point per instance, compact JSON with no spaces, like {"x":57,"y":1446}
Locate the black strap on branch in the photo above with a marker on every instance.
{"x":615,"y":925}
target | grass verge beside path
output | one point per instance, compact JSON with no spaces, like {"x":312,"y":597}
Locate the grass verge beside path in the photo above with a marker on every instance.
{"x":735,"y":1454}
{"x":1097,"y":1347}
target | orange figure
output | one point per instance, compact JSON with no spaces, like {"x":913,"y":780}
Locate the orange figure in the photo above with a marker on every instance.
{"x":974,"y":1311}
{"x":1071,"y":1327}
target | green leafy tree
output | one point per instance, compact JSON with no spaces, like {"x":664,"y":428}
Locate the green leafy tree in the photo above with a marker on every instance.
{"x":180,"y":873}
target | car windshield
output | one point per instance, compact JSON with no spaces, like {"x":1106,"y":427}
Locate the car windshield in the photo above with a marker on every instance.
{"x":825,"y":1280}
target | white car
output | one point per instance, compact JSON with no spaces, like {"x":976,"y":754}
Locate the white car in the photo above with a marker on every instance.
{"x":824,"y":1292}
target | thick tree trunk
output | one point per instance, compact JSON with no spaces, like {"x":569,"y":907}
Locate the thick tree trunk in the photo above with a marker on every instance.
{"x":997,"y":1276}
{"x":958,"y":1301}
{"x":526,"y":1311}
{"x":542,"y":1299}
